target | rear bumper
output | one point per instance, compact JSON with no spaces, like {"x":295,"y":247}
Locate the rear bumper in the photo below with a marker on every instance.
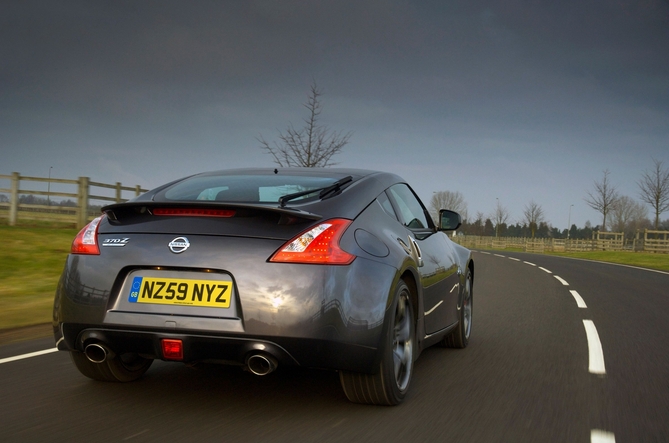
{"x":227,"y":349}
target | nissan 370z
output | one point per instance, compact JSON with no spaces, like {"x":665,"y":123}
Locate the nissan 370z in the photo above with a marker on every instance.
{"x":337,"y":269}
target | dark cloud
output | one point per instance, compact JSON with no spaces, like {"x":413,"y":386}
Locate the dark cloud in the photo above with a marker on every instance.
{"x":510,"y":81}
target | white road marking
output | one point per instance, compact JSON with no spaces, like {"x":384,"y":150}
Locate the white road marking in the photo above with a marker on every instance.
{"x":579,"y":300}
{"x":615,"y":264}
{"x":598,"y":436}
{"x":514,"y":259}
{"x":497,"y":255}
{"x":561,"y":280}
{"x":528,"y":263}
{"x":483,"y":252}
{"x":545,"y":270}
{"x":596,"y":365}
{"x":30,"y":355}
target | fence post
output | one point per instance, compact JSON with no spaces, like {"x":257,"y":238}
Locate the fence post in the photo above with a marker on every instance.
{"x":138,"y":190}
{"x":83,"y":201}
{"x":118,"y":192}
{"x":14,"y":199}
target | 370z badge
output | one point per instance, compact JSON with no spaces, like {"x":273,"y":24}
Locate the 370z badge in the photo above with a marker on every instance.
{"x":115,"y":242}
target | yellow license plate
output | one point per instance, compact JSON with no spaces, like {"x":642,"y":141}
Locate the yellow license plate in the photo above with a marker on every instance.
{"x":178,"y":291}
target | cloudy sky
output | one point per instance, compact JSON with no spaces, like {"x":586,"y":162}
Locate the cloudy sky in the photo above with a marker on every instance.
{"x":512,"y":100}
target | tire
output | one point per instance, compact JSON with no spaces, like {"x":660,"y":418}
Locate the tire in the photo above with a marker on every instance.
{"x":120,"y":368}
{"x":460,"y":337}
{"x":390,"y":384}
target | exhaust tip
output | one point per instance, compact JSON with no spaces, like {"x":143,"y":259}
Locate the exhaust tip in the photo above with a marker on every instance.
{"x":96,"y":353}
{"x":261,"y":364}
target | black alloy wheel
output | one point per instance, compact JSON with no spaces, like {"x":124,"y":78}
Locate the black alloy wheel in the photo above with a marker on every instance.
{"x":391,"y":383}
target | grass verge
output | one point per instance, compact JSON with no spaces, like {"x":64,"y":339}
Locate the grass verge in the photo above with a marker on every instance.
{"x":30,"y":266}
{"x":647,"y":260}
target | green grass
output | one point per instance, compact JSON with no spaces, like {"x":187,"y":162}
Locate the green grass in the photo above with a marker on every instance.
{"x":30,"y":266}
{"x":648,"y":260}
{"x":641,"y":259}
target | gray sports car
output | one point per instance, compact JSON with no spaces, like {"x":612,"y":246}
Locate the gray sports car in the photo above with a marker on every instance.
{"x":338,"y":269}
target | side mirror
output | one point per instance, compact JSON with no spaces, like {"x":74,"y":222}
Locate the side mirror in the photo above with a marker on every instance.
{"x":449,"y":220}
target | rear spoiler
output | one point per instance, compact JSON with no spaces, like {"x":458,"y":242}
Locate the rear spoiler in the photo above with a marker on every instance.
{"x":129,"y":210}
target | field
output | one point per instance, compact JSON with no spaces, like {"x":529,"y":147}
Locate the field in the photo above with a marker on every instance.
{"x":30,"y":266}
{"x":34,"y":256}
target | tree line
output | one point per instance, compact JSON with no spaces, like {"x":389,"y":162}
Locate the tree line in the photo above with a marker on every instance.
{"x":620,"y":213}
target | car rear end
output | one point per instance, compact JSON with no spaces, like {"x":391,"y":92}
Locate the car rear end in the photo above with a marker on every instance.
{"x":194,"y":278}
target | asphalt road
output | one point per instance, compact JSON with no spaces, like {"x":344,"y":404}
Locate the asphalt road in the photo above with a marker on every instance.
{"x":527,"y":376}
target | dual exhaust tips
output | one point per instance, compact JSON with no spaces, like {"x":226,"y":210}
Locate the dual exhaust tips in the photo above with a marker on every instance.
{"x":258,"y":364}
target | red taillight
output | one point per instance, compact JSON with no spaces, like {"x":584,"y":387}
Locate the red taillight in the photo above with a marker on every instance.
{"x":318,"y":245}
{"x":172,"y":349}
{"x":86,"y":241}
{"x":194,"y":212}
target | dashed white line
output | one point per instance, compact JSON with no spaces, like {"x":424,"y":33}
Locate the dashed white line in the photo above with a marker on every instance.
{"x":598,"y":436}
{"x":514,"y":259}
{"x":24,"y":356}
{"x":528,"y":263}
{"x":545,"y":270}
{"x":596,"y":353}
{"x":498,"y":255}
{"x":579,"y":300}
{"x":561,"y":280}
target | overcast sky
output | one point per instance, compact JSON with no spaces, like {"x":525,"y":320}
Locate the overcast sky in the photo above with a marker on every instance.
{"x":512,"y":100}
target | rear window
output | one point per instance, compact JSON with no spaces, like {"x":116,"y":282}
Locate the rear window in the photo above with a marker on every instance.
{"x":242,"y":188}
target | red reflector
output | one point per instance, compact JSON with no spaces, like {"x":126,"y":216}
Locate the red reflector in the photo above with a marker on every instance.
{"x":172,"y":349}
{"x":194,"y":212}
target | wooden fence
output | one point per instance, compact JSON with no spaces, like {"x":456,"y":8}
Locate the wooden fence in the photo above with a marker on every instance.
{"x":78,"y":215}
{"x":646,"y":241}
{"x":652,"y":241}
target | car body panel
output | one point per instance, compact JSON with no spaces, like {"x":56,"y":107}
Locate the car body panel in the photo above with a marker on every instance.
{"x":326,"y":316}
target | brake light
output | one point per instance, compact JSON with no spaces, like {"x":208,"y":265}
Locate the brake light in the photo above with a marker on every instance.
{"x":194,"y":212}
{"x":86,"y":241}
{"x":318,"y":245}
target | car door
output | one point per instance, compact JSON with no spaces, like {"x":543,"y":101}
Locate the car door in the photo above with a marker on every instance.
{"x":436,"y":262}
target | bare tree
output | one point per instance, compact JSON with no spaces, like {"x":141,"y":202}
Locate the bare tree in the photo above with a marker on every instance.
{"x":654,"y":187}
{"x":628,"y":215}
{"x":499,"y":216}
{"x":313,"y":145}
{"x":534,"y":215}
{"x":454,"y":201}
{"x":603,"y":198}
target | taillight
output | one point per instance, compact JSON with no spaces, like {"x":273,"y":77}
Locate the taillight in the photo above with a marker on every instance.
{"x":86,"y":241}
{"x":318,"y":245}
